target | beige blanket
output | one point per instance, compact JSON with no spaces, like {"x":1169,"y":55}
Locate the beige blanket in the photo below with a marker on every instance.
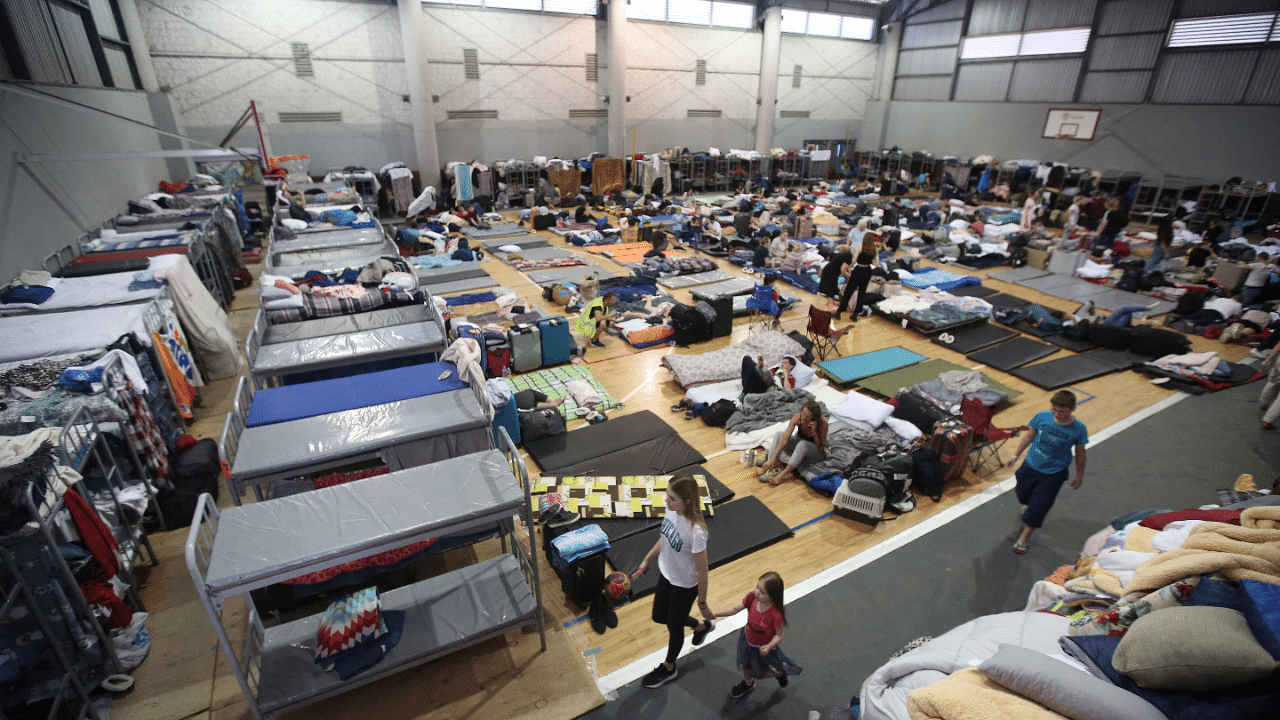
{"x":1250,"y":550}
{"x":969,"y":695}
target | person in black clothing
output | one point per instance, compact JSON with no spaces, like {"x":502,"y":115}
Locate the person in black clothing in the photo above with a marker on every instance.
{"x":660,"y":242}
{"x":859,"y":277}
{"x":742,"y":223}
{"x":580,"y":215}
{"x":1115,"y":220}
{"x":760,"y":253}
{"x":1200,"y":254}
{"x":829,"y":280}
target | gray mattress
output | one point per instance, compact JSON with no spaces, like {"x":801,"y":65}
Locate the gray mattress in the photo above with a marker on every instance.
{"x":328,"y":261}
{"x":308,"y":528}
{"x":527,"y":241}
{"x":357,"y":347}
{"x":1048,"y":283}
{"x":451,"y":272}
{"x":453,"y":286}
{"x":1115,"y":299}
{"x":1016,"y":275}
{"x":497,"y":231}
{"x":702,"y":278}
{"x":342,"y":324}
{"x":1080,"y":290}
{"x":299,"y":446}
{"x":727,"y":288}
{"x":537,"y":253}
{"x":571,"y":274}
{"x":344,"y":237}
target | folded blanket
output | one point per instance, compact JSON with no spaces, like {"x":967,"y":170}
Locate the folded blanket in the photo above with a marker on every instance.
{"x":580,"y":543}
{"x":763,"y":409}
{"x":1251,"y":550}
{"x":970,"y":695}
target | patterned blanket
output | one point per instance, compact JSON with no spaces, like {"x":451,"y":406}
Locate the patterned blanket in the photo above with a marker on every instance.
{"x":627,"y":496}
{"x":553,"y":382}
{"x":322,"y":306}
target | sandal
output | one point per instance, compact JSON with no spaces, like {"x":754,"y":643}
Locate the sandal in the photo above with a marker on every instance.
{"x":1019,"y":549}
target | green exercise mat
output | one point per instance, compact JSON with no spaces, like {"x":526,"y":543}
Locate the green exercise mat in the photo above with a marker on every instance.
{"x":887,"y":384}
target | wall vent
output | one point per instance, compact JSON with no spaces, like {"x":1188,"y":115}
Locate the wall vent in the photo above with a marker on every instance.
{"x":795,"y":77}
{"x":473,"y":114}
{"x":593,"y":67}
{"x":302,"y":60}
{"x":702,"y":73}
{"x":471,"y":63}
{"x":591,"y":113}
{"x":800,"y":114}
{"x":310,"y":117}
{"x":703,"y":113}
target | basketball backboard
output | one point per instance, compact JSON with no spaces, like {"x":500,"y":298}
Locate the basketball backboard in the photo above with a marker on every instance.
{"x":1071,"y":124}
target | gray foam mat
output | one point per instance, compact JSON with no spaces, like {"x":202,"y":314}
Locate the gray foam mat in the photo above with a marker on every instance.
{"x":451,"y":272}
{"x":1078,"y":291}
{"x":505,"y":230}
{"x":702,"y":278}
{"x":1063,"y":371}
{"x":973,"y":339}
{"x":977,"y":291}
{"x":1071,"y":344}
{"x":571,"y":274}
{"x":1115,"y":299}
{"x":1047,"y":283}
{"x":454,"y":286}
{"x":727,"y":288}
{"x":1012,"y":354}
{"x":1006,"y":300}
{"x":1120,"y":359}
{"x":525,"y":241}
{"x":536,"y":253}
{"x":1017,"y":275}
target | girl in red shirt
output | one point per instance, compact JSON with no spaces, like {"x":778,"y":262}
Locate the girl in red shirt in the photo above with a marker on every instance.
{"x":758,"y":652}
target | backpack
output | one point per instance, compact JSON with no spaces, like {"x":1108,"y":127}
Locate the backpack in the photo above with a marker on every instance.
{"x":1017,"y":256}
{"x":538,"y":424}
{"x":891,"y":469}
{"x":1189,"y":303}
{"x":707,"y":311}
{"x":927,"y":472}
{"x":689,"y":325}
{"x":719,"y":412}
{"x":1131,"y":280}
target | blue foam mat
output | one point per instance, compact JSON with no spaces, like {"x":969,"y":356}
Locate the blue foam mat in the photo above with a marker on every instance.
{"x":855,"y":367}
{"x":294,"y":402}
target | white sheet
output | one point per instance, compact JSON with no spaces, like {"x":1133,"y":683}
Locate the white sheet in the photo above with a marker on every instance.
{"x":92,"y":291}
{"x":49,"y":334}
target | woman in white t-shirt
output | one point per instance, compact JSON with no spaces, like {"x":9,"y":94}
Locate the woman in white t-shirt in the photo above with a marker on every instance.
{"x":682,"y":561}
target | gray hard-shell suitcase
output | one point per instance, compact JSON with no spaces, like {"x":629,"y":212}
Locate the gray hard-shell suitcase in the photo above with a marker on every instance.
{"x":526,"y":348}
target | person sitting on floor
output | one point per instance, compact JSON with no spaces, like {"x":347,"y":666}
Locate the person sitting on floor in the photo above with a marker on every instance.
{"x":779,"y":247}
{"x":759,"y":253}
{"x":660,"y":241}
{"x":596,"y":318}
{"x":809,"y":443}
{"x":581,"y":216}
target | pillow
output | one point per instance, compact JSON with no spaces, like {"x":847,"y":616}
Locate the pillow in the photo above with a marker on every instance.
{"x":864,"y":409}
{"x":1063,"y":688}
{"x":294,"y":224}
{"x":289,"y":301}
{"x":350,"y":621}
{"x":1187,"y":649}
{"x":274,"y":287}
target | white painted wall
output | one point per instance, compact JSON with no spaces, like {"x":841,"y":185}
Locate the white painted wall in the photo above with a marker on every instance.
{"x":31,"y":223}
{"x":217,"y":57}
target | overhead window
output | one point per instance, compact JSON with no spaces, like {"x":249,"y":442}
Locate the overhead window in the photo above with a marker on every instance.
{"x":568,"y":7}
{"x":1063,"y":41}
{"x":694,"y":12}
{"x":1223,"y":30}
{"x":801,"y":22}
{"x":990,"y":46}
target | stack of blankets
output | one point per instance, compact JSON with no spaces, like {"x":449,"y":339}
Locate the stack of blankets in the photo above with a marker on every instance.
{"x":580,"y":543}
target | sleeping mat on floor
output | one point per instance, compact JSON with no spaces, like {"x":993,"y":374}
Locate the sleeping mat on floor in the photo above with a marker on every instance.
{"x":975,"y":338}
{"x":1063,"y":371}
{"x":856,"y":367}
{"x":572,"y":449}
{"x":888,"y":384}
{"x":977,"y":291}
{"x":738,"y":528}
{"x":1006,"y":300}
{"x":1071,"y":344}
{"x":617,"y":528}
{"x":1009,"y":355}
{"x":304,"y":400}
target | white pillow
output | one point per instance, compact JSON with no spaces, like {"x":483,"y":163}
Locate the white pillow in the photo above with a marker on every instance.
{"x":269,"y":291}
{"x":294,"y":224}
{"x":863,"y":409}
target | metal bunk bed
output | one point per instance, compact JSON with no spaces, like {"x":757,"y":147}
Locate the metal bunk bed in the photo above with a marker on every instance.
{"x":275,"y":666}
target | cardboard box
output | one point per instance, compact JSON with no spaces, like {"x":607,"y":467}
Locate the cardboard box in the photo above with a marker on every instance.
{"x":1037,"y":258}
{"x":1230,"y":275}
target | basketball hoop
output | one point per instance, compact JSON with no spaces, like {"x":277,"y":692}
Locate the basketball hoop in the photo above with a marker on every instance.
{"x":1065,"y":136}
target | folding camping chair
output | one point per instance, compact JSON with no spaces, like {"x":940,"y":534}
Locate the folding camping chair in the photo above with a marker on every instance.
{"x":987,"y":438}
{"x":765,"y":313}
{"x":824,"y":337}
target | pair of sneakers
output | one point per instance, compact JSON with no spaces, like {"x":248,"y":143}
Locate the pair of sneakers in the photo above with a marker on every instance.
{"x":556,"y":515}
{"x":660,"y":675}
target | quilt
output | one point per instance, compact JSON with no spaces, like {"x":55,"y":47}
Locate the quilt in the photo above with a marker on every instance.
{"x":554,"y":381}
{"x":626,"y":496}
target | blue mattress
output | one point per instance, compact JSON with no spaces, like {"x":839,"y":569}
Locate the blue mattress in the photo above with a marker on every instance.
{"x":940,"y":279}
{"x":856,"y":367}
{"x":304,"y":400}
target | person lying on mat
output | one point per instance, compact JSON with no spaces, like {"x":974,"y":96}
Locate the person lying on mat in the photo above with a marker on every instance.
{"x":1054,"y":437}
{"x":808,"y":444}
{"x":534,"y":400}
{"x":597,"y":316}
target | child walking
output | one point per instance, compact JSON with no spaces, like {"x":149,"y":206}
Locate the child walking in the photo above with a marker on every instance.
{"x":758,"y":653}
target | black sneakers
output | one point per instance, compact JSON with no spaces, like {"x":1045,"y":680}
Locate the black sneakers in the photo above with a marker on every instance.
{"x":741,"y":689}
{"x":660,"y":676}
{"x":783,"y":680}
{"x":700,"y":635}
{"x":556,"y":515}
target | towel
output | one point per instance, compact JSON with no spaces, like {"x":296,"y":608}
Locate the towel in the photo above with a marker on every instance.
{"x":581,"y":542}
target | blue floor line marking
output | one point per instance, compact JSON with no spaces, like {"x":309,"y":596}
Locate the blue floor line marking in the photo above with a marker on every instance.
{"x":807,"y":524}
{"x":1081,"y":402}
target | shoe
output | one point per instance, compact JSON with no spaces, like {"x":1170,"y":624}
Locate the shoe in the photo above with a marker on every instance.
{"x":610,"y":615}
{"x":689,"y":414}
{"x":680,"y":406}
{"x":562,"y":518}
{"x":597,"y":344}
{"x":1268,"y":426}
{"x":596,"y":613}
{"x":742,"y":688}
{"x":783,"y":680}
{"x":550,"y":512}
{"x":1088,"y":308}
{"x":660,"y":676}
{"x":1019,"y":549}
{"x":835,"y":316}
{"x":700,"y":635}
{"x":1259,"y":353}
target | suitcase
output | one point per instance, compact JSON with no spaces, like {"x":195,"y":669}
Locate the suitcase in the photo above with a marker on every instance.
{"x":557,"y":345}
{"x":499,"y":359}
{"x":919,"y":412}
{"x":952,"y":440}
{"x":583,"y":579}
{"x":723,"y":325}
{"x":526,"y":348}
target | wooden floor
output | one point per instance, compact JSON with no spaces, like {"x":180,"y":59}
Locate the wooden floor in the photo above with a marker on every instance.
{"x":186,"y":674}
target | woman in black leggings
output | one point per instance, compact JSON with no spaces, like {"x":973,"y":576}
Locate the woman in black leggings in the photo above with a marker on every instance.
{"x":859,"y":277}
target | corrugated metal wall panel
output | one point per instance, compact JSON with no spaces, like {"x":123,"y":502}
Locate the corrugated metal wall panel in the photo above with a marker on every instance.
{"x":1210,"y":8}
{"x":84,"y":69}
{"x":953,"y":10}
{"x":1125,"y":16}
{"x":104,"y":19}
{"x":1115,"y":87}
{"x":1204,"y":77}
{"x":1045,"y":80}
{"x":33,"y":27}
{"x":935,"y":61}
{"x":922,"y":88}
{"x":990,"y":17}
{"x":1130,"y":52}
{"x":983,"y":81}
{"x":1048,"y":14}
{"x":118,"y":61}
{"x":931,"y":35}
{"x":1266,"y":80}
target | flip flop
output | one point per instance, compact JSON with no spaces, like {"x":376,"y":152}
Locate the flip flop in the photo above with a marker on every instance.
{"x":1019,"y":549}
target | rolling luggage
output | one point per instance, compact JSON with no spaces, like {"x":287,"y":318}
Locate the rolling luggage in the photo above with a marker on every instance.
{"x":556,"y":343}
{"x":918,"y":411}
{"x":526,"y":348}
{"x":952,"y":441}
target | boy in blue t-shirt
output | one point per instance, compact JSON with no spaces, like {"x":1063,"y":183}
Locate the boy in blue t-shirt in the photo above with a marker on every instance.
{"x":1055,"y":436}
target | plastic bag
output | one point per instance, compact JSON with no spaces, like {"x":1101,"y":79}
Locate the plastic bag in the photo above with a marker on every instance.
{"x":132,"y":643}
